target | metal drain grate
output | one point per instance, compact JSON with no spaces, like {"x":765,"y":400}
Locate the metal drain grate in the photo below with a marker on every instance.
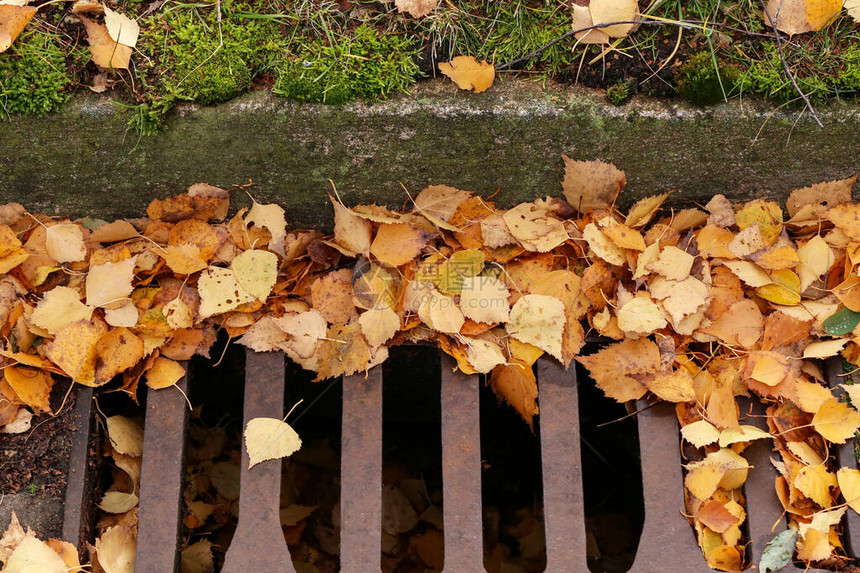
{"x":667,"y":542}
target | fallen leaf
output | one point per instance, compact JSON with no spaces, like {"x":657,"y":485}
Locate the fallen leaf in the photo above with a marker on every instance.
{"x":164,"y":373}
{"x":271,"y":216}
{"x":591,"y":184}
{"x":483,"y":355}
{"x":673,"y":386}
{"x":644,"y":210}
{"x":331,"y":295}
{"x":535,"y":227}
{"x":14,"y":17}
{"x":416,"y":8}
{"x":468,"y":73}
{"x":32,"y":386}
{"x":778,"y":552}
{"x":484,"y":299}
{"x":853,"y":9}
{"x":836,"y":421}
{"x":750,"y":273}
{"x":613,"y":367}
{"x":269,"y":439}
{"x":109,"y":285}
{"x":220,"y":291}
{"x":700,"y":433}
{"x":744,"y":433}
{"x":116,"y":549}
{"x":11,"y":253}
{"x":824,"y":348}
{"x":122,"y":29}
{"x":640,"y":316}
{"x":515,"y":384}
{"x":440,"y":312}
{"x":378,"y":325}
{"x":197,"y":558}
{"x":602,"y":246}
{"x":115,"y":352}
{"x":849,"y":485}
{"x":608,"y":11}
{"x":65,"y":243}
{"x":107,"y":53}
{"x":126,"y":435}
{"x":582,"y":21}
{"x":305,"y":330}
{"x":703,"y":478}
{"x":397,"y":244}
{"x":538,"y":320}
{"x":742,"y":325}
{"x":74,"y":349}
{"x":799,"y":16}
{"x":351,"y":231}
{"x":623,"y":236}
{"x":33,"y":555}
{"x":672,"y":263}
{"x":256,"y":272}
{"x":815,"y":482}
{"x":59,"y":307}
{"x":714,"y":515}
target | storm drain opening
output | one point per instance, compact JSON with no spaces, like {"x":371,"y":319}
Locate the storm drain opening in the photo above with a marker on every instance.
{"x":412,"y":467}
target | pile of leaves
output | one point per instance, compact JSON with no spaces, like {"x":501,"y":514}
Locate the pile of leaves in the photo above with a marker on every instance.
{"x":705,"y":306}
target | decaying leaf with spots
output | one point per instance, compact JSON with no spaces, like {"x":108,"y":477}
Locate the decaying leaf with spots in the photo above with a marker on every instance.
{"x":591,"y":184}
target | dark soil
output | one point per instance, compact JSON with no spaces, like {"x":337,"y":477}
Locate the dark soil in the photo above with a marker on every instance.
{"x":37,"y":461}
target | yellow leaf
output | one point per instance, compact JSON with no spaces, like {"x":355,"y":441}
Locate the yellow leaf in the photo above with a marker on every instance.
{"x":581,"y":21}
{"x":766,"y":215}
{"x":613,"y":368}
{"x":815,"y":482}
{"x":118,"y":502}
{"x":440,"y":312}
{"x":126,"y":435}
{"x":11,"y":253}
{"x":714,"y":242}
{"x":602,"y":247}
{"x":270,"y":216}
{"x":535,"y":227}
{"x":269,"y":439}
{"x":74,"y":349}
{"x":777,"y":257}
{"x":483,"y":355}
{"x":527,"y":353}
{"x":640,"y":316}
{"x":735,"y":465}
{"x":331,"y":295}
{"x":115,"y":352}
{"x":672,"y":263}
{"x":351,"y":231}
{"x":849,"y":485}
{"x":468,"y":73}
{"x":674,"y":386}
{"x":33,"y":555}
{"x":816,"y":258}
{"x":515,"y":384}
{"x":378,"y":325}
{"x":256,"y":272}
{"x":220,"y":292}
{"x":184,"y":259}
{"x":122,"y":29}
{"x":811,"y":396}
{"x":59,"y":307}
{"x":397,"y":244}
{"x":116,"y":549}
{"x":731,"y":436}
{"x":750,"y":273}
{"x":591,"y":184}
{"x":847,"y":219}
{"x":164,"y":372}
{"x":14,"y":17}
{"x":484,"y":299}
{"x":644,"y":209}
{"x":607,"y":11}
{"x":784,"y":290}
{"x":538,"y":320}
{"x":680,"y":298}
{"x":836,"y":421}
{"x":623,"y":236}
{"x":107,"y":53}
{"x":824,"y":348}
{"x":853,"y":9}
{"x":702,"y":479}
{"x":305,"y":330}
{"x":65,"y":242}
{"x":769,"y":368}
{"x":109,"y":285}
{"x":824,"y":195}
{"x":33,"y":387}
{"x":814,"y":546}
{"x":113,"y":232}
{"x":700,"y":433}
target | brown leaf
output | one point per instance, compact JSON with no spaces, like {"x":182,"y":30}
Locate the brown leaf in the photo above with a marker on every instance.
{"x":107,"y":53}
{"x":14,"y":17}
{"x":416,"y":8}
{"x":591,"y":184}
{"x":613,"y":367}
{"x":397,"y":244}
{"x":825,"y":195}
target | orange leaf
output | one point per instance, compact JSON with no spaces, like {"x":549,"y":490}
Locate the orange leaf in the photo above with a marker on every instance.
{"x":468,"y":73}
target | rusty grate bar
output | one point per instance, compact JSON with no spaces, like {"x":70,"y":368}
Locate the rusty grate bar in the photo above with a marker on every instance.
{"x":161,"y":480}
{"x":461,"y":470}
{"x":78,"y":513}
{"x":845,"y":457}
{"x":667,"y":542}
{"x":361,"y":474}
{"x":259,"y":544}
{"x":563,"y":499}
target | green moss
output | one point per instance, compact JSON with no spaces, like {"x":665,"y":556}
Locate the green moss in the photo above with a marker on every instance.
{"x":703,"y":83}
{"x":33,"y":75}
{"x":619,"y":93}
{"x":189,"y":57}
{"x":364,"y":64}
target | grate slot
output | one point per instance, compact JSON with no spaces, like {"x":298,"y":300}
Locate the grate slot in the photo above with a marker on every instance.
{"x":564,"y":504}
{"x":361,"y":473}
{"x":259,"y":544}
{"x":461,"y":470}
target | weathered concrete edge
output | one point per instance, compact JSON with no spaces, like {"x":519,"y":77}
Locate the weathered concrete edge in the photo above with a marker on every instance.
{"x":83,"y":161}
